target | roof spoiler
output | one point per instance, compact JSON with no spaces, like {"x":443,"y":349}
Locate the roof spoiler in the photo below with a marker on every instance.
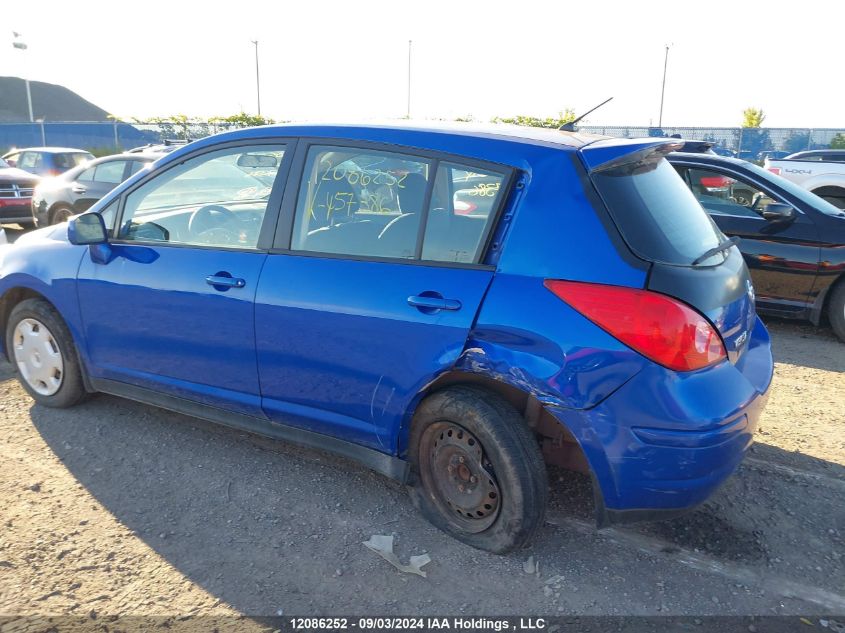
{"x":610,"y":153}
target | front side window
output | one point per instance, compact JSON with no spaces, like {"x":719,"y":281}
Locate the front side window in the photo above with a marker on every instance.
{"x":370,"y":203}
{"x":722,"y":194}
{"x":215,"y":199}
{"x":30,"y":160}
{"x":110,"y":173}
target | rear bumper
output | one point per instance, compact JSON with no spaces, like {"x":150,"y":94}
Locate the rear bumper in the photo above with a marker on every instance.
{"x":16,"y":210}
{"x":665,"y":441}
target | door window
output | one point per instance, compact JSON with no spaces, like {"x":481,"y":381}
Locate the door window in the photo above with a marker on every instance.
{"x":360,"y":202}
{"x":30,"y":160}
{"x":721,"y":194}
{"x":369,"y":203}
{"x":215,"y":199}
{"x":110,"y":173}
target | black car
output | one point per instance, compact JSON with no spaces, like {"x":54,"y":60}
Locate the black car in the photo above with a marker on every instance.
{"x":56,"y":199}
{"x":16,"y":188}
{"x":792,"y":240}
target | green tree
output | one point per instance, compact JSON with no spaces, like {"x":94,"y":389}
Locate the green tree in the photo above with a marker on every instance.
{"x":838,"y":141}
{"x":242,"y":119}
{"x":567,"y":116}
{"x":753,"y":117}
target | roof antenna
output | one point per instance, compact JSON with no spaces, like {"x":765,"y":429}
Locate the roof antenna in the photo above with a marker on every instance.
{"x":570,"y":127}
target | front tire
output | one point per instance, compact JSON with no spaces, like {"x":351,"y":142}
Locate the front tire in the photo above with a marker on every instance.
{"x":478,"y":472}
{"x":836,"y":310}
{"x":44,"y":357}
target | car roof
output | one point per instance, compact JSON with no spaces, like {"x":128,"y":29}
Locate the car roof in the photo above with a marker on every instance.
{"x":709,"y":158}
{"x":818,"y":152}
{"x":51,"y":150}
{"x":364,"y":131}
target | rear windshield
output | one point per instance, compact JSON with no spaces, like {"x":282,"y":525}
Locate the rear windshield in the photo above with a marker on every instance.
{"x":656,"y":213}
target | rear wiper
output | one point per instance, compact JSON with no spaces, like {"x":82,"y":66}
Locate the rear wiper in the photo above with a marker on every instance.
{"x":723,"y":246}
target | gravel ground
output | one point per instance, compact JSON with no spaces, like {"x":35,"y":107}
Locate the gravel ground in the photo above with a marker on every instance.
{"x":117,"y":508}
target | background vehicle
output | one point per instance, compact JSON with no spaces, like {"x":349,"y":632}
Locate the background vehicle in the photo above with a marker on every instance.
{"x":819,"y":171}
{"x":47,"y":161}
{"x":165,"y":147}
{"x":791,"y":239}
{"x":16,"y":188}
{"x":56,"y":199}
{"x":320,"y":284}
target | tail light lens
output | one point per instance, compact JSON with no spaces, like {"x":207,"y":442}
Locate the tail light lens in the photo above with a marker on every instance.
{"x":660,"y":328}
{"x":775,"y":170}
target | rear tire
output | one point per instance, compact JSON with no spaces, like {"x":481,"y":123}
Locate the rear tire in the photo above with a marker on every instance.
{"x":836,"y":310}
{"x":60,"y":214}
{"x":43,"y":354}
{"x":478,"y":472}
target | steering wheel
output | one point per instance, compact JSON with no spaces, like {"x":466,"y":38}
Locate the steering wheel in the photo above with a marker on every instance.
{"x":211,"y":216}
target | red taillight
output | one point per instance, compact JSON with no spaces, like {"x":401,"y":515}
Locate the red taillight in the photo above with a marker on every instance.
{"x":659,"y":327}
{"x":715,"y":182}
{"x":775,"y":170}
{"x":462,"y":207}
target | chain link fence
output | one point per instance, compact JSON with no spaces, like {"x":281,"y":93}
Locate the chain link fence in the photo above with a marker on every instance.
{"x":108,"y":137}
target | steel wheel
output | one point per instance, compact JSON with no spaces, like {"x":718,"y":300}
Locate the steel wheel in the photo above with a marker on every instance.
{"x":38,"y":356}
{"x":462,"y":479}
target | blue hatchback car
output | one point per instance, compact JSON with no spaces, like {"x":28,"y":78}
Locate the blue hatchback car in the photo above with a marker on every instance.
{"x":451,"y":306}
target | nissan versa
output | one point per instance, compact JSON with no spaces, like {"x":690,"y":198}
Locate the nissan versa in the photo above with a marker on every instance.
{"x":451,"y":306}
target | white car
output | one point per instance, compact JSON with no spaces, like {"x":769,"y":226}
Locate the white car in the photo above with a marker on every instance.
{"x":821,"y":171}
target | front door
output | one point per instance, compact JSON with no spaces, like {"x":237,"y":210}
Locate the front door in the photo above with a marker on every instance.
{"x":169,"y":305}
{"x":782,"y":256}
{"x":376,"y":290}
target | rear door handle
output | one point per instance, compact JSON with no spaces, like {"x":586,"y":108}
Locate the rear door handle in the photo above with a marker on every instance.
{"x":228,"y":282}
{"x":433,"y":302}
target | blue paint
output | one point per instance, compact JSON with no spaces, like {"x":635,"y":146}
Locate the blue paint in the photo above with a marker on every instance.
{"x":334,"y":346}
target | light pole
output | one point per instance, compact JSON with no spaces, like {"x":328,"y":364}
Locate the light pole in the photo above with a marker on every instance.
{"x":408,"y":111}
{"x":22,"y":46}
{"x":663,"y":89}
{"x":257,"y":79}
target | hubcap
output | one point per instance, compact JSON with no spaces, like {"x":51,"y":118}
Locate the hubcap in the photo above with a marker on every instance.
{"x":38,"y":357}
{"x":453,"y":462}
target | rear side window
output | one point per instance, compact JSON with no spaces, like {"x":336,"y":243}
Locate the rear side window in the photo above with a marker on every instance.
{"x":657,"y":214}
{"x":370,"y":203}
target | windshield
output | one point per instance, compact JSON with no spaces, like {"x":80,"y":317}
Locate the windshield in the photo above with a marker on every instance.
{"x":657,"y":214}
{"x":807,"y":197}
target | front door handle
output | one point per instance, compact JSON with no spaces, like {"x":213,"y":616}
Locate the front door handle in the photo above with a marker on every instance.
{"x":431,"y":302}
{"x":78,"y":189}
{"x":226,"y":282}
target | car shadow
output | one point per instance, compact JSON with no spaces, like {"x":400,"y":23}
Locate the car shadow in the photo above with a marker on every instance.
{"x":802,"y":344}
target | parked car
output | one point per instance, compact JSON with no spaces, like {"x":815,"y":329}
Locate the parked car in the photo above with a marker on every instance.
{"x":47,"y":161}
{"x":318,"y":284}
{"x":819,"y":171}
{"x":56,"y":199}
{"x":165,"y":147}
{"x":826,"y":155}
{"x":16,"y":188}
{"x":791,"y":239}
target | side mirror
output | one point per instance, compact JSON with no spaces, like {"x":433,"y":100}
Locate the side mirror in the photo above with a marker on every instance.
{"x":778,"y":212}
{"x":87,"y":228}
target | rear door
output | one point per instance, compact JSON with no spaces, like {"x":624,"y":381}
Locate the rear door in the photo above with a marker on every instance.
{"x":373,"y":286}
{"x":782,"y":256}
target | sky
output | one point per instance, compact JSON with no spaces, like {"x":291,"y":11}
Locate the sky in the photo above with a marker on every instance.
{"x":347,"y":60}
